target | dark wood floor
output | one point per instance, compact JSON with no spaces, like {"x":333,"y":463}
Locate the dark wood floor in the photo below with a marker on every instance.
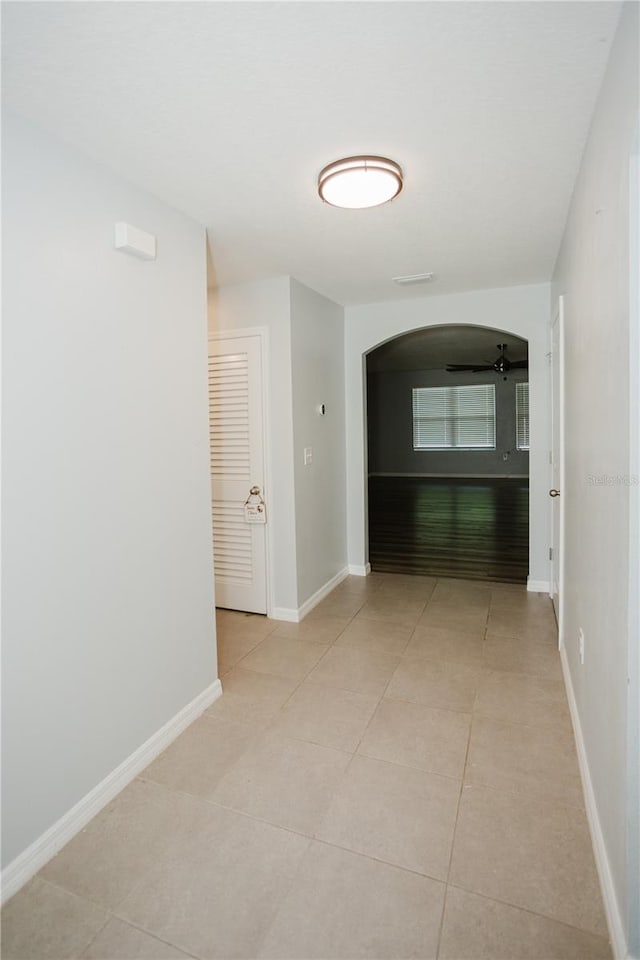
{"x":473,"y":529}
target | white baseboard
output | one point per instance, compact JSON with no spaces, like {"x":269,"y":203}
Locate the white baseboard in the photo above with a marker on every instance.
{"x":291,"y":615}
{"x":357,"y":570}
{"x":538,"y":586}
{"x":615,"y":924}
{"x":26,"y":864}
{"x":320,"y":594}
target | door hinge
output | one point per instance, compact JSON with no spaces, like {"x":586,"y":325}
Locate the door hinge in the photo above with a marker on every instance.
{"x":550,"y":553}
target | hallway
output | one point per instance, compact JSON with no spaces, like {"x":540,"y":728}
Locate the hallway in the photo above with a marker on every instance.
{"x":393,"y":777}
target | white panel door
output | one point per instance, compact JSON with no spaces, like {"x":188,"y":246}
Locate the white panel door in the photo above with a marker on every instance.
{"x":237,"y":465}
{"x":557,"y":460}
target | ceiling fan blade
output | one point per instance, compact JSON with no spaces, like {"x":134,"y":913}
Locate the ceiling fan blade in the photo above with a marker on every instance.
{"x":487,"y":366}
{"x":452,"y":367}
{"x":519,"y":364}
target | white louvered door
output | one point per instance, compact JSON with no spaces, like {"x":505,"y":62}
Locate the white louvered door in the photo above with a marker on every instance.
{"x":237,"y":464}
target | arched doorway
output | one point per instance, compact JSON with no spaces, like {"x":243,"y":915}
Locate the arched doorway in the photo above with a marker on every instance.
{"x":523,"y":311}
{"x":448,"y":453}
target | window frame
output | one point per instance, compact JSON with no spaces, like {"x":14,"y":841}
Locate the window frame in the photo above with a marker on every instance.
{"x":454,"y":420}
{"x":523,"y":443}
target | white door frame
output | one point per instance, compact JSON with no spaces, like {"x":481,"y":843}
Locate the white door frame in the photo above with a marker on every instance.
{"x":633,"y":665}
{"x":558,"y":475}
{"x":263,"y":334}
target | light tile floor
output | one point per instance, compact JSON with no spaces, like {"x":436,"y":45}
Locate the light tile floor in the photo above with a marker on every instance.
{"x":395,"y":777}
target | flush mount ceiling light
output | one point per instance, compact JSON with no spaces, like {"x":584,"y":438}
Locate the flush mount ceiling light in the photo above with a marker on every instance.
{"x":359,"y":182}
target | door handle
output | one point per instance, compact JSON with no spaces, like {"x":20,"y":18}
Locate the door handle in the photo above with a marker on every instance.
{"x":554,"y":493}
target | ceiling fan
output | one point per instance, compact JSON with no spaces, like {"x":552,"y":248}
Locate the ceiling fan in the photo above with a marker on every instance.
{"x":501,"y":365}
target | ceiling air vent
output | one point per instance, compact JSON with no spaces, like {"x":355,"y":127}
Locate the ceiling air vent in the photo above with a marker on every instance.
{"x":413,"y":278}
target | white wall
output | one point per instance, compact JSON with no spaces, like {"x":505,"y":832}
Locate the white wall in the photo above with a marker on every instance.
{"x":108,"y":626}
{"x":520,"y":310}
{"x":317,"y":353}
{"x":593,"y":273}
{"x":305,"y":367}
{"x":266,"y":303}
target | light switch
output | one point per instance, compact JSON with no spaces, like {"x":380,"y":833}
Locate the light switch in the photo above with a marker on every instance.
{"x":308,"y":456}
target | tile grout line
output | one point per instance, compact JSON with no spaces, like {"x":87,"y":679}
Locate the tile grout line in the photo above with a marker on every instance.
{"x":532,"y":913}
{"x":110,"y":915}
{"x":386,"y":863}
{"x":381,"y":698}
{"x":282,"y":676}
{"x":148,"y":933}
{"x":82,"y":899}
{"x":455,"y":825}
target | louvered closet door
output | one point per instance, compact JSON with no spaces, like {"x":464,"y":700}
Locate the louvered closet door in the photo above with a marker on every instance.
{"x":237,"y":464}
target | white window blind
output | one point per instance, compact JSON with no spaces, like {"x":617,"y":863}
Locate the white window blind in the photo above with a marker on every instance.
{"x":454,"y":418}
{"x":522,"y":416}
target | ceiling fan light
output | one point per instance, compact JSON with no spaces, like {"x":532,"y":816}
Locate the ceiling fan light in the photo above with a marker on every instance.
{"x":356,"y":183}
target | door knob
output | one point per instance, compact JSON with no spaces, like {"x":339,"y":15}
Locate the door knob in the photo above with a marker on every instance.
{"x":554,"y":493}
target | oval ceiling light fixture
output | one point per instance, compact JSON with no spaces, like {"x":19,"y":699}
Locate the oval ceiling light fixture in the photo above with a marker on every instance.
{"x":358,"y":182}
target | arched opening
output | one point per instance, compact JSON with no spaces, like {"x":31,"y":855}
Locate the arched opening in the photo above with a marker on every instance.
{"x":448,"y":453}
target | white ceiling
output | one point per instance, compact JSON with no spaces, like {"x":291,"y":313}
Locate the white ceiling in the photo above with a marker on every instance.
{"x":228,"y":111}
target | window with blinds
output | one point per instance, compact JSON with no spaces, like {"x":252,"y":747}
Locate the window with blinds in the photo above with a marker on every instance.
{"x":522,"y":416}
{"x":454,"y":418}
